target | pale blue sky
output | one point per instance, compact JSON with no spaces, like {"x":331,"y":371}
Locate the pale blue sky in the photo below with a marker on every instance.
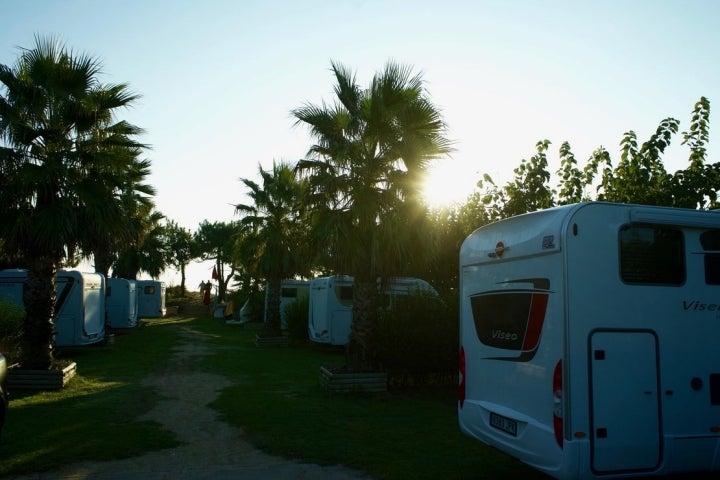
{"x":218,"y":78}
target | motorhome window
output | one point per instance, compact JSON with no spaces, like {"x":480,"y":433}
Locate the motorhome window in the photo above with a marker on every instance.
{"x":149,"y":290}
{"x":652,"y":255}
{"x":710,"y":241}
{"x":344,"y":294}
{"x":501,"y":319}
{"x":712,"y":268}
{"x":288,"y":292}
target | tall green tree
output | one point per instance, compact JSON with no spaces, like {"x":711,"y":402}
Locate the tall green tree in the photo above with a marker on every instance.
{"x":372,"y":148}
{"x":146,"y":251}
{"x":639,"y":177}
{"x":107,"y":246}
{"x":276,"y":218}
{"x":215,"y":241}
{"x":179,"y":248}
{"x":63,"y":160}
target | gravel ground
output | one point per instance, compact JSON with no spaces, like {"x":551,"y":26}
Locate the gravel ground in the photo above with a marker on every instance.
{"x":211,"y":448}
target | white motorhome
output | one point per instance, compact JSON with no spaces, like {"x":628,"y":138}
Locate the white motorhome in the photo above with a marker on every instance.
{"x":330,"y":310}
{"x":290,"y":291}
{"x":79,"y":304}
{"x":121,"y":303}
{"x":589,"y":339}
{"x":150,"y":298}
{"x":331,"y":302}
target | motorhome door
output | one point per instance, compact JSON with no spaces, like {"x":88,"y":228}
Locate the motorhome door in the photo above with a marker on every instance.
{"x":625,"y":401}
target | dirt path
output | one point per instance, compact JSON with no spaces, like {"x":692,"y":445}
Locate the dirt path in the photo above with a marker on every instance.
{"x":212,"y":449}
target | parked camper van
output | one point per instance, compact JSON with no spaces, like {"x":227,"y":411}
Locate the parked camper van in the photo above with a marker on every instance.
{"x":150,"y":298}
{"x":121,"y":303}
{"x":290,"y":291}
{"x":331,"y":302}
{"x":79,"y":305}
{"x":589,"y":340}
{"x":330,"y":310}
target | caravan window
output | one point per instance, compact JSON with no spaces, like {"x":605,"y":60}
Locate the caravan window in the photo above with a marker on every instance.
{"x":344,"y":293}
{"x":509,"y":320}
{"x":652,"y":255}
{"x":288,"y":292}
{"x":710,"y":242}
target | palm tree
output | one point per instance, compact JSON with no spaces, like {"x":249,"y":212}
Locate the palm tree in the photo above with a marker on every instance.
{"x":62,"y":159}
{"x":365,"y":170}
{"x":146,"y":250}
{"x":108,"y":244}
{"x":276,"y":220}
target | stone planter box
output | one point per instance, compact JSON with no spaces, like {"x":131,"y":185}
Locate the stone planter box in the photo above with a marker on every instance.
{"x":342,"y":382}
{"x":279,"y":341}
{"x":19,"y":379}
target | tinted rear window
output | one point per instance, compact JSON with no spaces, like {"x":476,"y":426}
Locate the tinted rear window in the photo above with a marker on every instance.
{"x":652,"y":255}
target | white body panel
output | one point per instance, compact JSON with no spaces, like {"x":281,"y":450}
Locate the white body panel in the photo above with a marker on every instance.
{"x":290,"y":291}
{"x":121,"y":303}
{"x":330,"y":309}
{"x":331,"y":303}
{"x":79,"y":305}
{"x":638,"y":347}
{"x":151,"y":298}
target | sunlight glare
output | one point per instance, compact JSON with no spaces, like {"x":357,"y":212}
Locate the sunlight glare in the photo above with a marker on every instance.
{"x":447,"y":184}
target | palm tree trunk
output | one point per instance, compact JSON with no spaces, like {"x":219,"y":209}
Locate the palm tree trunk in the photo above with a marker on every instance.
{"x":272,"y":316}
{"x":358,"y":355}
{"x":39,"y":299}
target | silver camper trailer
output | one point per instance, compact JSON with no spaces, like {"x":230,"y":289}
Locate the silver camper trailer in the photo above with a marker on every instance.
{"x":331,"y":302}
{"x":79,"y":304}
{"x":121,"y":303}
{"x":589,"y":340}
{"x":150,"y":298}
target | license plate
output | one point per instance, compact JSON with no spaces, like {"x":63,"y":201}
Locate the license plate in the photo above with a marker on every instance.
{"x":503,"y":423}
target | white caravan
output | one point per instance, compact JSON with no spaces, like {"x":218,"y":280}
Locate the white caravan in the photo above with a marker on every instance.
{"x":150,"y":298}
{"x":589,"y":340}
{"x":331,"y":301}
{"x":79,"y":304}
{"x":330,"y":310}
{"x":290,"y":291}
{"x":121,"y":303}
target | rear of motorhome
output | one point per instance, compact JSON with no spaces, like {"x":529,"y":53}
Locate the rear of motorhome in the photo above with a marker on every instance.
{"x":79,"y":304}
{"x":290,"y":291}
{"x":150,"y":298}
{"x":330,"y":309}
{"x":121,"y":303}
{"x":589,"y":340}
{"x":331,"y":302}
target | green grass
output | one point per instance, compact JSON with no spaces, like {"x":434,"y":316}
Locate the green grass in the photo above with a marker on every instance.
{"x":276,"y":399}
{"x":94,"y":417}
{"x":279,"y":403}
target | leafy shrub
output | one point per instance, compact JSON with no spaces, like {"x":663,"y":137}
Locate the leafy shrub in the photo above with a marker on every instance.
{"x":416,"y":341}
{"x":11,"y":323}
{"x":296,"y":314}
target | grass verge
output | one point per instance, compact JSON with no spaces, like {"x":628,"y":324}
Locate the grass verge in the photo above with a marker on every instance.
{"x":95,"y":416}
{"x":276,"y":399}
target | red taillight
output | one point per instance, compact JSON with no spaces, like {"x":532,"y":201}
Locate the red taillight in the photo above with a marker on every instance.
{"x":557,"y":391}
{"x":461,"y":379}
